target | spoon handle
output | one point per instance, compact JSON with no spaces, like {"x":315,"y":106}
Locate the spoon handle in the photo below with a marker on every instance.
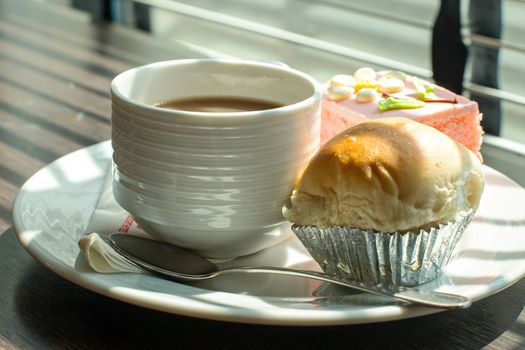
{"x":413,"y":295}
{"x":181,"y":265}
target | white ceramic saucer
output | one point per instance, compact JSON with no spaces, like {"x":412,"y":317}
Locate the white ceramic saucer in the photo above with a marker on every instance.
{"x":54,"y":208}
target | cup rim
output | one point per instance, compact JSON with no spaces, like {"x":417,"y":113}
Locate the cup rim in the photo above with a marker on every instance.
{"x":316,"y":95}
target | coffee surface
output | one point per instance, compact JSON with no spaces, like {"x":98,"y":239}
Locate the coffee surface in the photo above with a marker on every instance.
{"x":219,"y":104}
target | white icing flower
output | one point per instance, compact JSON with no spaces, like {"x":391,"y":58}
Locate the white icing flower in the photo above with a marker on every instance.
{"x":365,"y":74}
{"x":342,"y":80}
{"x":366,"y":95}
{"x":340,"y":93}
{"x":390,"y":85}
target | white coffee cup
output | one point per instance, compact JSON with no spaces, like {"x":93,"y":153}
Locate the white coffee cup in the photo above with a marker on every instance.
{"x":212,"y":182}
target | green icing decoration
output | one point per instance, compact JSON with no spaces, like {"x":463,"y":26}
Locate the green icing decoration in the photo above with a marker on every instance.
{"x":424,"y":93}
{"x":397,"y":103}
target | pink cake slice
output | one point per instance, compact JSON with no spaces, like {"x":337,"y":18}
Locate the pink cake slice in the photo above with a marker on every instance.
{"x":459,"y":118}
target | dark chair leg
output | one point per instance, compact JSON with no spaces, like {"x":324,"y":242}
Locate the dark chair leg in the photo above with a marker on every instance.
{"x":485,"y":19}
{"x":449,"y":53}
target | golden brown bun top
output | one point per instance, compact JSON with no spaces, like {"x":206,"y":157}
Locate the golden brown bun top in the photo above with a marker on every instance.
{"x":389,"y":174}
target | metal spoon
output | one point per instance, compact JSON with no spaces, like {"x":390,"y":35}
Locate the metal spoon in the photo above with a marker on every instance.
{"x":182,"y":265}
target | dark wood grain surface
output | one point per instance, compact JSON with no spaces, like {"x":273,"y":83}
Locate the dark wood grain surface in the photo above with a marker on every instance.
{"x":55,"y":70}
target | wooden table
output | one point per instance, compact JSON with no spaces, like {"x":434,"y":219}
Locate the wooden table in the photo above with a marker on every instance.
{"x":55,"y":70}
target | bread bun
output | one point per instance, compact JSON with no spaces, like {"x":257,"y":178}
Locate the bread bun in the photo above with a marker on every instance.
{"x":389,"y":174}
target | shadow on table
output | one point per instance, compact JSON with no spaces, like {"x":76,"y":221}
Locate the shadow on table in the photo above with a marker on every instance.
{"x":58,"y":314}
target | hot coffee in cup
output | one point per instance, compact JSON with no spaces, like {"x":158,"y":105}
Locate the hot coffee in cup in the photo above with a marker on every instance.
{"x":206,"y":151}
{"x":219,"y":104}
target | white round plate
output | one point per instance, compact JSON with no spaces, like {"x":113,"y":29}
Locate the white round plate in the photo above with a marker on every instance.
{"x":55,"y":206}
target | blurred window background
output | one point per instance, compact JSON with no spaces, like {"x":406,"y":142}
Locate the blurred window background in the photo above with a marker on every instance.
{"x":434,"y":39}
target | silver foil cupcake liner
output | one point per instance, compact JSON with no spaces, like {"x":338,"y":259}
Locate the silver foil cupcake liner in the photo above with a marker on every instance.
{"x":404,"y":259}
